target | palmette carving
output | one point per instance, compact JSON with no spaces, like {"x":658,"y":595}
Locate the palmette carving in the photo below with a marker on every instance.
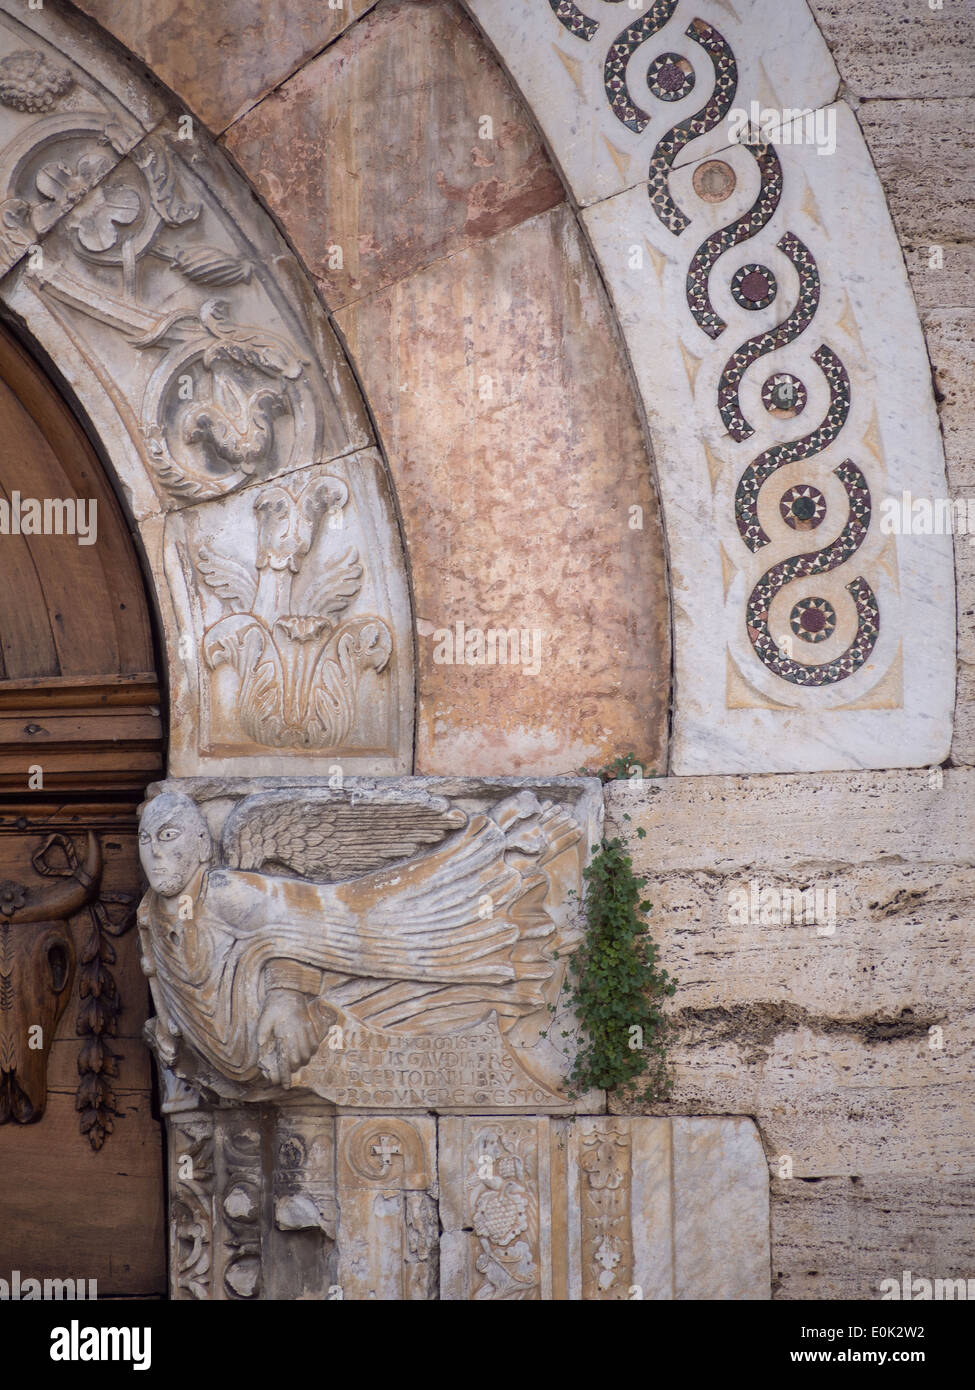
{"x":605,"y":1183}
{"x":299,"y":672}
{"x":264,"y":978}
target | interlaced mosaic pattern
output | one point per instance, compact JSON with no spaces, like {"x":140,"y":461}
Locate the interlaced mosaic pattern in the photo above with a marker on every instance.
{"x":574,"y":20}
{"x":670,"y":77}
{"x":761,"y":469}
{"x":617,"y":62}
{"x":763,"y":343}
{"x":709,"y":252}
{"x":814,"y":618}
{"x":711,"y":114}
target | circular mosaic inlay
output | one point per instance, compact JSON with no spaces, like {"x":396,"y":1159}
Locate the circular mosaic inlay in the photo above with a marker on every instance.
{"x":753,"y":286}
{"x":784,"y":395}
{"x":714,"y":181}
{"x":670,"y":77}
{"x":803,"y":507}
{"x":813,"y":619}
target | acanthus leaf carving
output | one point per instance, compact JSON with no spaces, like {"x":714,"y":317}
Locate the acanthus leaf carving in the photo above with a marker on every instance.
{"x":298,"y":671}
{"x":191,"y":1203}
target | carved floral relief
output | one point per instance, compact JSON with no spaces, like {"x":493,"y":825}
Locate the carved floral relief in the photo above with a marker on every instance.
{"x":210,"y":369}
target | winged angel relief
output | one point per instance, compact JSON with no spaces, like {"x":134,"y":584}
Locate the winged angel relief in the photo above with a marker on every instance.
{"x":421,"y":918}
{"x":298,"y":672}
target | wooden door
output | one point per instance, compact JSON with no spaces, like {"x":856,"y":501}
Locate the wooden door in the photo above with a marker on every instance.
{"x":81,"y":1170}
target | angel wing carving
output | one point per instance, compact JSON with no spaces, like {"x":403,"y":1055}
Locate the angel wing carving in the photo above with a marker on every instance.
{"x":325,"y":835}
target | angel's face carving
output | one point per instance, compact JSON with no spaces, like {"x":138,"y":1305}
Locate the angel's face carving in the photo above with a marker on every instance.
{"x":173,"y":842}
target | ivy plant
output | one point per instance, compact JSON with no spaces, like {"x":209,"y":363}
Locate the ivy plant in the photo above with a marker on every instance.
{"x":616,"y":988}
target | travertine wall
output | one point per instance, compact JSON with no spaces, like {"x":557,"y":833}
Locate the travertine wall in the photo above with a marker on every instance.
{"x":844,"y":1026}
{"x":909,"y":75}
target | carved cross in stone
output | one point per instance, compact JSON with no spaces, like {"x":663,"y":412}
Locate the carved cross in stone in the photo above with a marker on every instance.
{"x":386,"y":1150}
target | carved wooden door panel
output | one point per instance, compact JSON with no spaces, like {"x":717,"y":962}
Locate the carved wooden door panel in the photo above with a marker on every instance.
{"x":81,"y":1186}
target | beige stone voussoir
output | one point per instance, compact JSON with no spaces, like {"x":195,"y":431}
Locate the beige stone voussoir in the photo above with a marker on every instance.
{"x":401,"y":144}
{"x":503,"y":401}
{"x":221,"y":58}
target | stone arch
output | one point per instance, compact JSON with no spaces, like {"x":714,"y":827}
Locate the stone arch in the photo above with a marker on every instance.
{"x":475,"y":318}
{"x":750,"y":695}
{"x":143,"y":268}
{"x":784,"y":239}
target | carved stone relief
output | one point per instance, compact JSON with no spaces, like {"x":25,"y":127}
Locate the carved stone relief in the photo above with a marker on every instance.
{"x":511,"y":1208}
{"x":298,"y":617}
{"x":603,"y":1208}
{"x":144,"y":267}
{"x":399,"y":944}
{"x":388,"y":1234}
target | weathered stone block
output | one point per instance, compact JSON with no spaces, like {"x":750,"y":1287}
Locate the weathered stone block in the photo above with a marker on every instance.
{"x":395,"y":945}
{"x":950,"y":335}
{"x":822,"y":941}
{"x":603,"y":1208}
{"x":224,"y":58}
{"x":401,"y":144}
{"x":896,"y":48}
{"x":841,"y":1237}
{"x":506,"y":482}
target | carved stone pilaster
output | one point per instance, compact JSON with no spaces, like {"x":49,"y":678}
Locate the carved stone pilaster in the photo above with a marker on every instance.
{"x":191,"y":1190}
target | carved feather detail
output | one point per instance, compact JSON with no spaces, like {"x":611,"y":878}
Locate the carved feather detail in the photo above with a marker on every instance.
{"x":330,"y":837}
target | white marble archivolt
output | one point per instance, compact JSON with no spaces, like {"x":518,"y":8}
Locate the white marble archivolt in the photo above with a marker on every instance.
{"x":140,"y":262}
{"x":378,"y":946}
{"x":745,"y":239}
